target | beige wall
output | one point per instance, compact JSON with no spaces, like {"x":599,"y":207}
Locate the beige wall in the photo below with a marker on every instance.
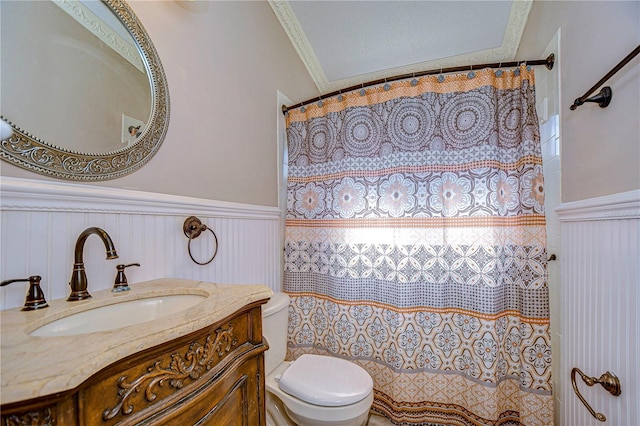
{"x":53,"y":70}
{"x":224,"y":66}
{"x":600,"y":147}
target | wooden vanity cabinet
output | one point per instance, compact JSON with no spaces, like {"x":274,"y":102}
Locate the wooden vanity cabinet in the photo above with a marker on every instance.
{"x":213,"y":376}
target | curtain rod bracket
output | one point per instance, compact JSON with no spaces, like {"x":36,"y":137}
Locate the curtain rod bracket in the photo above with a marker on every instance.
{"x":603,"y":98}
{"x":551,"y":59}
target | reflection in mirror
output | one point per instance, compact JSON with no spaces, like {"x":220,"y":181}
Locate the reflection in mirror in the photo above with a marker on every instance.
{"x":89,"y":86}
{"x":85,"y":82}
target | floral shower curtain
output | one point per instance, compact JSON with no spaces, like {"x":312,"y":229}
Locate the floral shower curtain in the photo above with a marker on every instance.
{"x":415,"y":246}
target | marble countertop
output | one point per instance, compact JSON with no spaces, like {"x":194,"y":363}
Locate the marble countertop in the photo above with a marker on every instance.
{"x":38,"y":366}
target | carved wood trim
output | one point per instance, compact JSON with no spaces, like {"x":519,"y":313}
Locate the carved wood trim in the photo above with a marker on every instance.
{"x":41,"y":417}
{"x":189,"y":367}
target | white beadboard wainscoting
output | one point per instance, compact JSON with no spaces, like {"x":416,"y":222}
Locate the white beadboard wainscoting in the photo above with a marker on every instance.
{"x":41,"y":220}
{"x":601,"y":305}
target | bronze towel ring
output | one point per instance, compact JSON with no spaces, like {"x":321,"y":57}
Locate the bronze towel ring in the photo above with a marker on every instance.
{"x":192,"y":228}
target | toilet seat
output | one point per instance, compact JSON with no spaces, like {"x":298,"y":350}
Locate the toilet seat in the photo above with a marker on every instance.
{"x":326,"y":381}
{"x":310,"y":414}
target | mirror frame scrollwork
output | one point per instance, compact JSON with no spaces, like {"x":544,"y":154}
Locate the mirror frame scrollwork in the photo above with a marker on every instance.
{"x":29,"y":152}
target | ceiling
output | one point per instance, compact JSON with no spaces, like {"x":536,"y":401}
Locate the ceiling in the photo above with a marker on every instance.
{"x":345,"y":43}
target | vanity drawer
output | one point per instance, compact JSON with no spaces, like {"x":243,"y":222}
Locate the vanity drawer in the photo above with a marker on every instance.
{"x":178,"y":377}
{"x":221,"y":402}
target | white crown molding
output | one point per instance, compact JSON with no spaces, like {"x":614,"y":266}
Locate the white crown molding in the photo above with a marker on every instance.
{"x":125,"y":48}
{"x":625,"y":205}
{"x":292,"y":27}
{"x":513,"y":33}
{"x":515,"y":28}
{"x":36,"y":195}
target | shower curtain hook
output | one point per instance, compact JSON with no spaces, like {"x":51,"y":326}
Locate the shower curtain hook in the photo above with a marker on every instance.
{"x":414,"y":82}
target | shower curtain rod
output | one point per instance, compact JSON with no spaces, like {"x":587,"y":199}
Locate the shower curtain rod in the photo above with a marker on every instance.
{"x":548,"y":63}
{"x":604,"y":97}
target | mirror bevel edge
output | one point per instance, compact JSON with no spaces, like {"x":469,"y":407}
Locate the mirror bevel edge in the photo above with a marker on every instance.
{"x":31,"y":153}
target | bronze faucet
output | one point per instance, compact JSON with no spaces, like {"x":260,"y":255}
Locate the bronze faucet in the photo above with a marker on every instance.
{"x":78,"y":281}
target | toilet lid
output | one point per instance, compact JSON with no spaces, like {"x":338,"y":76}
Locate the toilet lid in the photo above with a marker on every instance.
{"x":326,"y":381}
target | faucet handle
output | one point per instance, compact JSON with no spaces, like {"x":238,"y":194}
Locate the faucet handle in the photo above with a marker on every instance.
{"x":121,"y":279}
{"x":35,"y":296}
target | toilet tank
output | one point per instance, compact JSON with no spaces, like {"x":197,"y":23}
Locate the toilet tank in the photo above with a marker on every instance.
{"x":275,"y":317}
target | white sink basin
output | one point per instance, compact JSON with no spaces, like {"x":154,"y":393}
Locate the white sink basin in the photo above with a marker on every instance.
{"x":118,"y":315}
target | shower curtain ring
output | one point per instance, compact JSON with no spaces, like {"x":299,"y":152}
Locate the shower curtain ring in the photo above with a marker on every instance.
{"x":414,"y":82}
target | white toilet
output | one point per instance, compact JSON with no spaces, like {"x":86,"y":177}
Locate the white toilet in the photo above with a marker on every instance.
{"x":313,"y":390}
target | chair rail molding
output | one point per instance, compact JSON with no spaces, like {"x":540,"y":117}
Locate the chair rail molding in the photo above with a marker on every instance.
{"x":624,"y":205}
{"x":37,"y":195}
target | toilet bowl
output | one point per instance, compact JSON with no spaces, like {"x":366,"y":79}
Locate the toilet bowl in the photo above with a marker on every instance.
{"x":313,"y":390}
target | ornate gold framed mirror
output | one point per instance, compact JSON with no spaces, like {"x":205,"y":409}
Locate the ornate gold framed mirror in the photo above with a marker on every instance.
{"x":120,"y":116}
